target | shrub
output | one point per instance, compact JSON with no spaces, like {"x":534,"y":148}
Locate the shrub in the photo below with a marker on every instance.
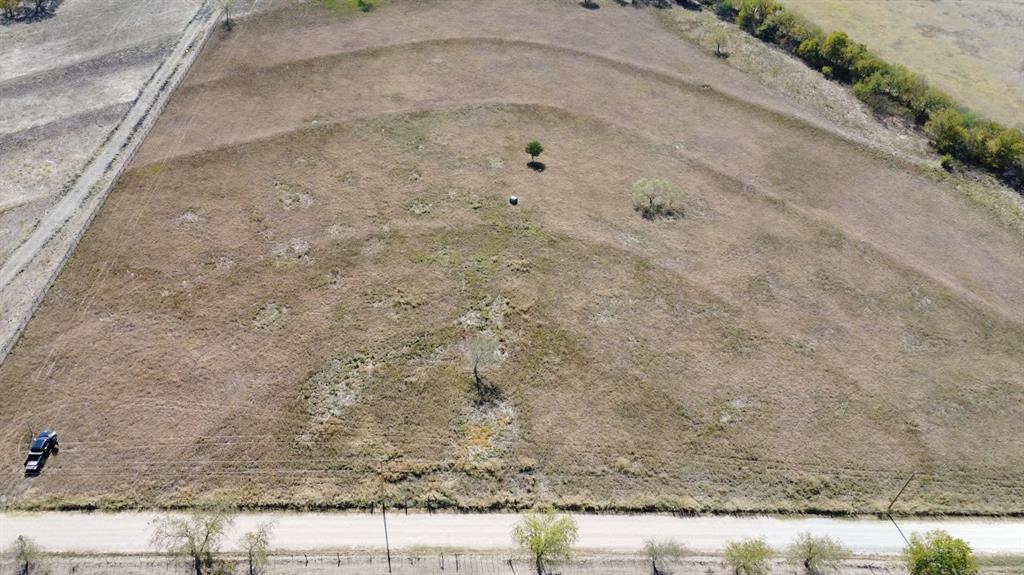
{"x":749,"y":557}
{"x":816,"y":554}
{"x":654,"y":198}
{"x":939,"y":553}
{"x":826,"y":71}
{"x":948,"y":162}
{"x":947,"y":132}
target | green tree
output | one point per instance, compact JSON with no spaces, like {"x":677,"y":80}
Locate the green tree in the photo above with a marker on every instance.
{"x":256,"y":547}
{"x":196,"y":537}
{"x":749,"y":557}
{"x":661,"y":553}
{"x":26,"y":554}
{"x":939,"y":553}
{"x":547,"y":536}
{"x":534,"y":148}
{"x":655,"y":197}
{"x":815,"y":555}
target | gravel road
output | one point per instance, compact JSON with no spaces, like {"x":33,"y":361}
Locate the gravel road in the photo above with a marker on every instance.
{"x":130,"y":532}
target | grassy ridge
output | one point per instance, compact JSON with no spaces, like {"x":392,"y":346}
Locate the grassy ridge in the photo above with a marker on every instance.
{"x":890,"y":89}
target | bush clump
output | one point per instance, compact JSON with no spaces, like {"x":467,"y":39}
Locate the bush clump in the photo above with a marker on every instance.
{"x":657,"y":198}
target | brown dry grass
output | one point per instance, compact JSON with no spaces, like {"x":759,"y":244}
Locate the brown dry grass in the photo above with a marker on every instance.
{"x":274,"y":300}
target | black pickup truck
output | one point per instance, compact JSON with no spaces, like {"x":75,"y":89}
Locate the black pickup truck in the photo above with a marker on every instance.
{"x":40,"y":450}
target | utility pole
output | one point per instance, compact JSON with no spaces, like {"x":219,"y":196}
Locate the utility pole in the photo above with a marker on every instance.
{"x":888,"y":510}
{"x":387,"y":543}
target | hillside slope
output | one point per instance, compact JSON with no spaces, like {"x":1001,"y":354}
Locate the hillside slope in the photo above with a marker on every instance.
{"x":276,"y":298}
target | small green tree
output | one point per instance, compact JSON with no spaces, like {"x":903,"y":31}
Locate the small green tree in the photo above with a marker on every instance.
{"x":26,"y":554}
{"x":815,"y":555}
{"x":547,"y":536}
{"x":661,"y":553}
{"x":256,"y":546}
{"x":196,"y":538}
{"x":939,"y":553}
{"x":534,"y":148}
{"x":654,"y":197}
{"x":749,"y":557}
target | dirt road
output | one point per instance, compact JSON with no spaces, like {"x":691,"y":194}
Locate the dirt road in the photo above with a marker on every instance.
{"x":130,"y":532}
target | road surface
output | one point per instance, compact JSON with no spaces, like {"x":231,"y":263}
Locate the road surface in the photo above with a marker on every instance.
{"x":131,"y":532}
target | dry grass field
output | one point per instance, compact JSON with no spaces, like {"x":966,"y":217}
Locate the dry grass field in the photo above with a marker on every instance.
{"x":273,"y":304}
{"x":970,"y":49}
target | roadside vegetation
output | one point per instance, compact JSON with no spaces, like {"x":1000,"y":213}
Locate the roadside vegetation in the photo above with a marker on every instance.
{"x":547,"y":536}
{"x":749,"y":557}
{"x":26,"y":555}
{"x":813,"y":555}
{"x":939,"y":553}
{"x":663,"y":553}
{"x":888,"y":89}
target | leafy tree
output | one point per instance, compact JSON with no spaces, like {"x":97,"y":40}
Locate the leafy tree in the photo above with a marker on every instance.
{"x":26,"y":554}
{"x":939,"y":553}
{"x":547,"y":536}
{"x":256,"y":546}
{"x":534,"y":148}
{"x":196,"y":538}
{"x":662,"y":552}
{"x":749,"y":557}
{"x":655,"y":197}
{"x":815,"y":555}
{"x":719,"y":38}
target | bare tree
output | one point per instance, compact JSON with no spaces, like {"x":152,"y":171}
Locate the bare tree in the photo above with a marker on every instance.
{"x":481,"y":351}
{"x":256,"y":546}
{"x":26,"y":554}
{"x":719,"y":38}
{"x":227,"y":5}
{"x":196,"y":537}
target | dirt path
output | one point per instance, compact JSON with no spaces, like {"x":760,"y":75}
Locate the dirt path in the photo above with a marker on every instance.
{"x":130,"y":532}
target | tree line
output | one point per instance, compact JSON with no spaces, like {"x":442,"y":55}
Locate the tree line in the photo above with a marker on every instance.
{"x":890,"y":89}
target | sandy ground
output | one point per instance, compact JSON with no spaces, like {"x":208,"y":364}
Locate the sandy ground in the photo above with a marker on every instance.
{"x":274,"y":300}
{"x":972,"y":50}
